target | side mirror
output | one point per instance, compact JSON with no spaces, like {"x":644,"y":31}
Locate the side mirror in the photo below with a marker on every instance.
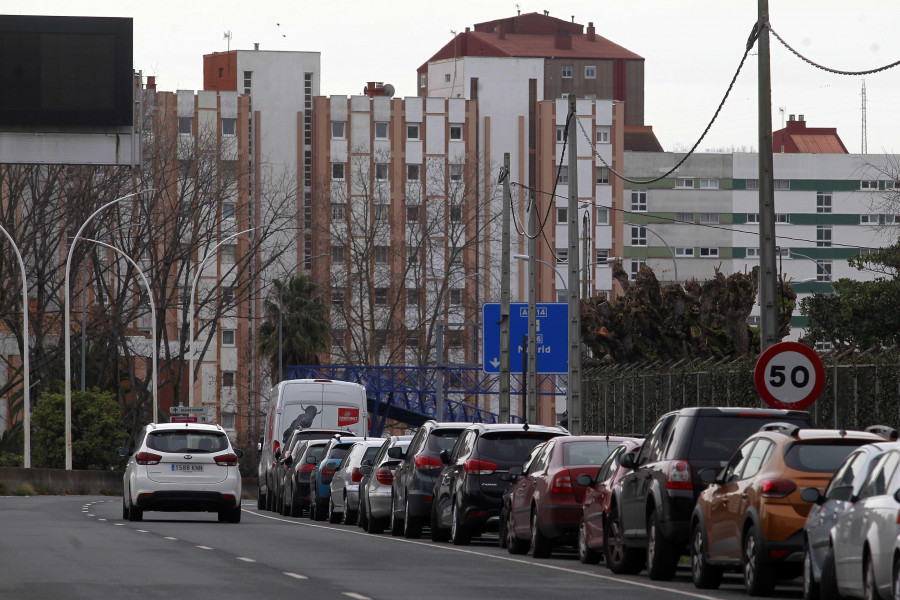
{"x":123,"y":452}
{"x":708,"y":475}
{"x":897,"y":495}
{"x":288,"y":461}
{"x":812,"y":495}
{"x":395,"y":452}
{"x":445,"y":457}
{"x":239,"y":452}
{"x":312,"y":460}
{"x":366,"y":469}
{"x":628,"y":460}
{"x":584,"y":480}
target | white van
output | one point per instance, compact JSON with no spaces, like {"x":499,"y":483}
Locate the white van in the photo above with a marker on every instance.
{"x":323,"y":406}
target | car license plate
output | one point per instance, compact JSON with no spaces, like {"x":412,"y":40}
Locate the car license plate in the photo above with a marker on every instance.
{"x":189,"y":468}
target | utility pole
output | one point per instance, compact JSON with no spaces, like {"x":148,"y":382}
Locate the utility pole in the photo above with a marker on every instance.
{"x":531,"y":396}
{"x":586,"y":242}
{"x":573,"y":381}
{"x":504,"y":299}
{"x":767,"y":276}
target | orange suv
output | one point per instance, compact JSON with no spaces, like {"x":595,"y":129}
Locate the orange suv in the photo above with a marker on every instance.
{"x":751,"y":516}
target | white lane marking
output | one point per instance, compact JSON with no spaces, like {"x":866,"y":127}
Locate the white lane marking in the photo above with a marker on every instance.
{"x":245,"y":559}
{"x":204,"y":547}
{"x":142,"y":531}
{"x":120,"y":524}
{"x":171,"y":538}
{"x":91,"y":515}
{"x":296,"y":575}
{"x":356,"y":596}
{"x":101,"y":519}
{"x":611,"y":578}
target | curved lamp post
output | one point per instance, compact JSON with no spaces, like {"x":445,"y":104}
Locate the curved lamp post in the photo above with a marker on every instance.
{"x":674,"y":262}
{"x":155,"y":371}
{"x":67,"y":344}
{"x":561,"y":278}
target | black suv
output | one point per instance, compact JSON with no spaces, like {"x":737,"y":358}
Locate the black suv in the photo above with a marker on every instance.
{"x":469,"y":491}
{"x":651,"y":507}
{"x":415,"y":477}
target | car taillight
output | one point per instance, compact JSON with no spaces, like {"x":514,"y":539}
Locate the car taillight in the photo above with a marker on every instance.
{"x":776,"y":488}
{"x":227,"y":460}
{"x":329,"y":470}
{"x":147,"y":458}
{"x":679,"y":476}
{"x":275,"y":446}
{"x":306,"y":468}
{"x":427,"y":463}
{"x":480,"y":467}
{"x":355,"y":475}
{"x":384,"y":476}
{"x":562,"y":482}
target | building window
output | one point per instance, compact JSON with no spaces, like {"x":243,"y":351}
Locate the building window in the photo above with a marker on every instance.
{"x":868,"y":185}
{"x":412,"y":131}
{"x":338,"y":129}
{"x":602,"y":175}
{"x":891,"y":185}
{"x":602,"y":216}
{"x":824,"y":346}
{"x":753,"y":184}
{"x":709,"y":252}
{"x":823,"y":270}
{"x":752,"y":252}
{"x":455,"y":297}
{"x":228,"y":337}
{"x":412,"y":296}
{"x":228,"y":126}
{"x":454,"y":338}
{"x":783,"y":218}
{"x":381,"y":130}
{"x":709,"y":184}
{"x":338,"y":211}
{"x":753,"y":321}
{"x":684,"y":182}
{"x":455,"y":213}
{"x":560,"y":133}
{"x":823,"y":202}
{"x":412,"y":257}
{"x":228,"y":252}
{"x":381,"y":255}
{"x":868,"y":219}
{"x":590,"y":71}
{"x":227,"y":420}
{"x":184,"y":124}
{"x":422,"y":80}
{"x":567,"y":71}
{"x":337,"y":254}
{"x":638,"y":201}
{"x":638,"y":236}
{"x":381,"y":296}
{"x":227,"y":294}
{"x":562,"y":256}
{"x":381,"y":171}
{"x":412,"y":172}
{"x":227,"y":210}
{"x":456,"y":172}
{"x":337,"y":296}
{"x":684,"y":217}
{"x":891,"y":219}
{"x":456,"y":133}
{"x":447,"y":78}
{"x":636,"y":267}
{"x":381,"y":212}
{"x":563,"y":176}
{"x":413,"y":337}
{"x":337,"y":171}
{"x":603,"y":135}
{"x":753,"y":217}
{"x":602,"y":256}
{"x":412,"y":214}
{"x":781,"y":184}
{"x":227,"y":379}
{"x":248,"y":81}
{"x":823,"y":236}
{"x":562,"y":215}
{"x":709,"y":218}
{"x":684,"y":251}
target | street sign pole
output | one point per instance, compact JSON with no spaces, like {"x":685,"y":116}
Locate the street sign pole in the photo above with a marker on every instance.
{"x":573,"y":379}
{"x":505,"y":367}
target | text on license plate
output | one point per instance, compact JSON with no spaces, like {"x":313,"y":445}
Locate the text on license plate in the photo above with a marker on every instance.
{"x":191,"y":468}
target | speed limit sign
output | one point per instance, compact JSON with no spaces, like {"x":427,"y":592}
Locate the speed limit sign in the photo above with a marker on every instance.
{"x":789,"y":375}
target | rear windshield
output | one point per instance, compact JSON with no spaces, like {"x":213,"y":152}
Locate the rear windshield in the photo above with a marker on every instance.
{"x":716,"y":438}
{"x":371,"y":452}
{"x":511,"y":447}
{"x":339,"y":451}
{"x":819,"y":458}
{"x":587,"y":453}
{"x":198,"y":442}
{"x":443,"y":439}
{"x":316,"y":451}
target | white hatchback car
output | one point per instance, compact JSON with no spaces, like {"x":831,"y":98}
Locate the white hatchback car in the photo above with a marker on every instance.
{"x":182,"y":467}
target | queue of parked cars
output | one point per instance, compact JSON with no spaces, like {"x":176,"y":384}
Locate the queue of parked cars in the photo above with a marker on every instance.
{"x":757,"y":492}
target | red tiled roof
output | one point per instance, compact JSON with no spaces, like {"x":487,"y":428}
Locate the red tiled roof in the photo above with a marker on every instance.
{"x":818,"y":144}
{"x":544,"y":46}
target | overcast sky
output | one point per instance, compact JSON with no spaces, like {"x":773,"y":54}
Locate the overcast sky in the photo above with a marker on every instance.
{"x":692,"y":49}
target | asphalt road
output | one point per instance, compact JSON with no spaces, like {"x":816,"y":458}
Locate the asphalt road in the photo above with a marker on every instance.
{"x":80,"y":547}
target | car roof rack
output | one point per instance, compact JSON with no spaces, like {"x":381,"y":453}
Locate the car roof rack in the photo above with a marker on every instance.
{"x":788,"y":429}
{"x":885,"y":431}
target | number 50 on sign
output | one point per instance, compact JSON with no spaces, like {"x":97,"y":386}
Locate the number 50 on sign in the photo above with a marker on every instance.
{"x":789,"y":375}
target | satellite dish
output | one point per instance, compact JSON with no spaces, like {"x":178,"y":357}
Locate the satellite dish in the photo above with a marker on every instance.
{"x":388,"y":90}
{"x":365,"y":90}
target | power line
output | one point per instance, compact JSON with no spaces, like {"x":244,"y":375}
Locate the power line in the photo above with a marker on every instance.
{"x":824,"y":68}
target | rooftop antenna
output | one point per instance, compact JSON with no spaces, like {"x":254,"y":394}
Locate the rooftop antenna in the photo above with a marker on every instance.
{"x":227,"y":36}
{"x":781,"y":110}
{"x":865,"y":144}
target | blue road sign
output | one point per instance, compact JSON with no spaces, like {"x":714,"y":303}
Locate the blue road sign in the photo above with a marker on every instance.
{"x":551,"y":336}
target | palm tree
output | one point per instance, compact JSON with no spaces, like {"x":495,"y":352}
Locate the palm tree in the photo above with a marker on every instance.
{"x":304,"y":324}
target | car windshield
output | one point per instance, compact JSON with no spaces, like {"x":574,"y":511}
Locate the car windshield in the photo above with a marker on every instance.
{"x":443,"y":439}
{"x":716,"y":438}
{"x":338,"y":452}
{"x":198,"y":442}
{"x":511,"y":447}
{"x":587,"y":453}
{"x":819,"y":458}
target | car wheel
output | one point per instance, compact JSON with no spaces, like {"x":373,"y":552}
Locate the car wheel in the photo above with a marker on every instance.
{"x":231,"y":515}
{"x":321,"y":505}
{"x":124,"y":508}
{"x":759,"y":577}
{"x":296,"y":511}
{"x":135,"y":514}
{"x":514,"y":545}
{"x":376,"y":526}
{"x":363,"y":517}
{"x":662,"y":555}
{"x":705,"y":575}
{"x":541,"y":545}
{"x":349,"y":516}
{"x":396,"y":523}
{"x":437,"y":533}
{"x":270,"y":501}
{"x":260,"y":500}
{"x":620,"y":559}
{"x":586,"y":554}
{"x":285,"y":505}
{"x":828,"y":582}
{"x":278,"y":504}
{"x":312,"y":504}
{"x":870,"y":587}
{"x":333,"y":516}
{"x":412,"y":526}
{"x":459,"y":534}
{"x":810,"y":585}
{"x":895,"y":587}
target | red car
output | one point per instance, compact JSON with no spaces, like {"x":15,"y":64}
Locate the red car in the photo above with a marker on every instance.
{"x":595,"y":508}
{"x":545,"y":500}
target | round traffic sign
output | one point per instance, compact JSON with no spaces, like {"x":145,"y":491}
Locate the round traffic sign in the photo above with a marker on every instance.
{"x":789,"y":375}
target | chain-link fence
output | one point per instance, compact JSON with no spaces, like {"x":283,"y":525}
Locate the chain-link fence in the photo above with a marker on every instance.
{"x":628,"y":399}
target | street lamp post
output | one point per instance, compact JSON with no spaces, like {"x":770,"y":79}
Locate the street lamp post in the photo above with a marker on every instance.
{"x":543,"y":262}
{"x":281,"y":312}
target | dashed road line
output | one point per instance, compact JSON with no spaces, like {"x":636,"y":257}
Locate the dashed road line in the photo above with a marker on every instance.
{"x":356,"y":596}
{"x":245,"y":559}
{"x":296,"y":575}
{"x":204,"y":547}
{"x":171,"y":538}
